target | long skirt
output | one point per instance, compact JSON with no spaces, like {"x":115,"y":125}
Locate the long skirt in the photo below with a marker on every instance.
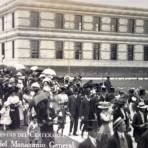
{"x":104,"y":134}
{"x":47,"y":135}
{"x":15,"y":117}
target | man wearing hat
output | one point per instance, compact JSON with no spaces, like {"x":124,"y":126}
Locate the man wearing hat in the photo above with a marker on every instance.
{"x":73,"y":107}
{"x":91,"y":141}
{"x":110,"y":96}
{"x":103,"y":93}
{"x":120,"y":110}
{"x":107,"y":83}
{"x":120,"y":138}
{"x":45,"y":115}
{"x":88,"y":110}
{"x":139,"y":123}
{"x":105,"y":131}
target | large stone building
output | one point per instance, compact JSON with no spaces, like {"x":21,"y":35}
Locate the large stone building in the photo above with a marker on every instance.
{"x":74,"y":37}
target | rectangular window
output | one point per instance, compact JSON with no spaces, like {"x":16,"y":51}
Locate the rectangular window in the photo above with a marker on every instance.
{"x":59,"y":50}
{"x":78,"y":50}
{"x":130,"y":52}
{"x":13,"y":49}
{"x":96,"y":52}
{"x":146,"y":53}
{"x":78,"y":22}
{"x":113,"y":51}
{"x":13,"y":20}
{"x":114,"y":24}
{"x":146,"y":26}
{"x":59,"y":21}
{"x":131,"y":25}
{"x":3,"y":23}
{"x":35,"y":19}
{"x":34,"y":48}
{"x":3,"y":50}
{"x":96,"y":23}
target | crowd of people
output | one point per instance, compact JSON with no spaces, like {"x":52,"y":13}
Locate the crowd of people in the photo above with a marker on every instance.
{"x":113,"y":118}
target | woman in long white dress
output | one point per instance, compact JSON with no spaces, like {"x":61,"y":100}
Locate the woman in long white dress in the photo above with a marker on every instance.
{"x":14,"y":102}
{"x":105,"y":130}
{"x":5,"y":119}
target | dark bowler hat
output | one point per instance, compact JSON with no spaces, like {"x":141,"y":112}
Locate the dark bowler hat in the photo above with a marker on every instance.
{"x":131,"y":90}
{"x":112,"y":90}
{"x":141,"y":92}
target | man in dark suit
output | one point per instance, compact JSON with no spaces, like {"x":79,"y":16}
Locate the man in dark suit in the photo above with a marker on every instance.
{"x":120,"y":138}
{"x":108,"y":84}
{"x":88,"y":111}
{"x":139,"y":123}
{"x":120,"y":110}
{"x":84,"y":113}
{"x":74,"y":106}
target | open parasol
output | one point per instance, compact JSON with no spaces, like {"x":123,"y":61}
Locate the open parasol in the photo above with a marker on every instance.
{"x":49,"y":71}
{"x":34,"y":68}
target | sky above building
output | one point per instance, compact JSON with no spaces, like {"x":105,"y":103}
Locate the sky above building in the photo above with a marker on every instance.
{"x":124,"y":3}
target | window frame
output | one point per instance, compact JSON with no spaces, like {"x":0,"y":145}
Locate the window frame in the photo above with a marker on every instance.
{"x":35,"y":20}
{"x":78,"y":51}
{"x":78,"y":22}
{"x":96,"y":51}
{"x":3,"y":50}
{"x":130,"y":52}
{"x":146,"y":26}
{"x":13,"y":20}
{"x":131,"y":25}
{"x":145,"y":56}
{"x":13,"y":49}
{"x":59,"y":52}
{"x":3,"y":23}
{"x":114,"y":52}
{"x":59,"y":25}
{"x":114,"y":24}
{"x":97,"y":23}
{"x":35,"y":52}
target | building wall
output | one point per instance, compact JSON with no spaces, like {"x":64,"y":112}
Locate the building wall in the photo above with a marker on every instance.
{"x":47,"y":21}
{"x":22,"y":18}
{"x":47,"y":50}
{"x":22,"y":48}
{"x":48,"y":34}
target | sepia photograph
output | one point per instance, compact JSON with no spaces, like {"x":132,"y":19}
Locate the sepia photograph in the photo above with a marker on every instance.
{"x":73,"y":73}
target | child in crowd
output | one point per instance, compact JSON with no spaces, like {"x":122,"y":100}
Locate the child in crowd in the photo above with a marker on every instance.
{"x":5,"y":119}
{"x":61,"y":119}
{"x":33,"y":130}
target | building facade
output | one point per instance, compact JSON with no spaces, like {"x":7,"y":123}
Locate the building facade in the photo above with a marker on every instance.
{"x":74,"y":37}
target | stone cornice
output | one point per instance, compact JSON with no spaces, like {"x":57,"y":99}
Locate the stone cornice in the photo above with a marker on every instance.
{"x":75,"y":36}
{"x":74,"y":6}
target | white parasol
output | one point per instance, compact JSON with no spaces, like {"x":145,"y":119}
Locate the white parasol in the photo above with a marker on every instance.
{"x":49,"y":71}
{"x":34,"y":68}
